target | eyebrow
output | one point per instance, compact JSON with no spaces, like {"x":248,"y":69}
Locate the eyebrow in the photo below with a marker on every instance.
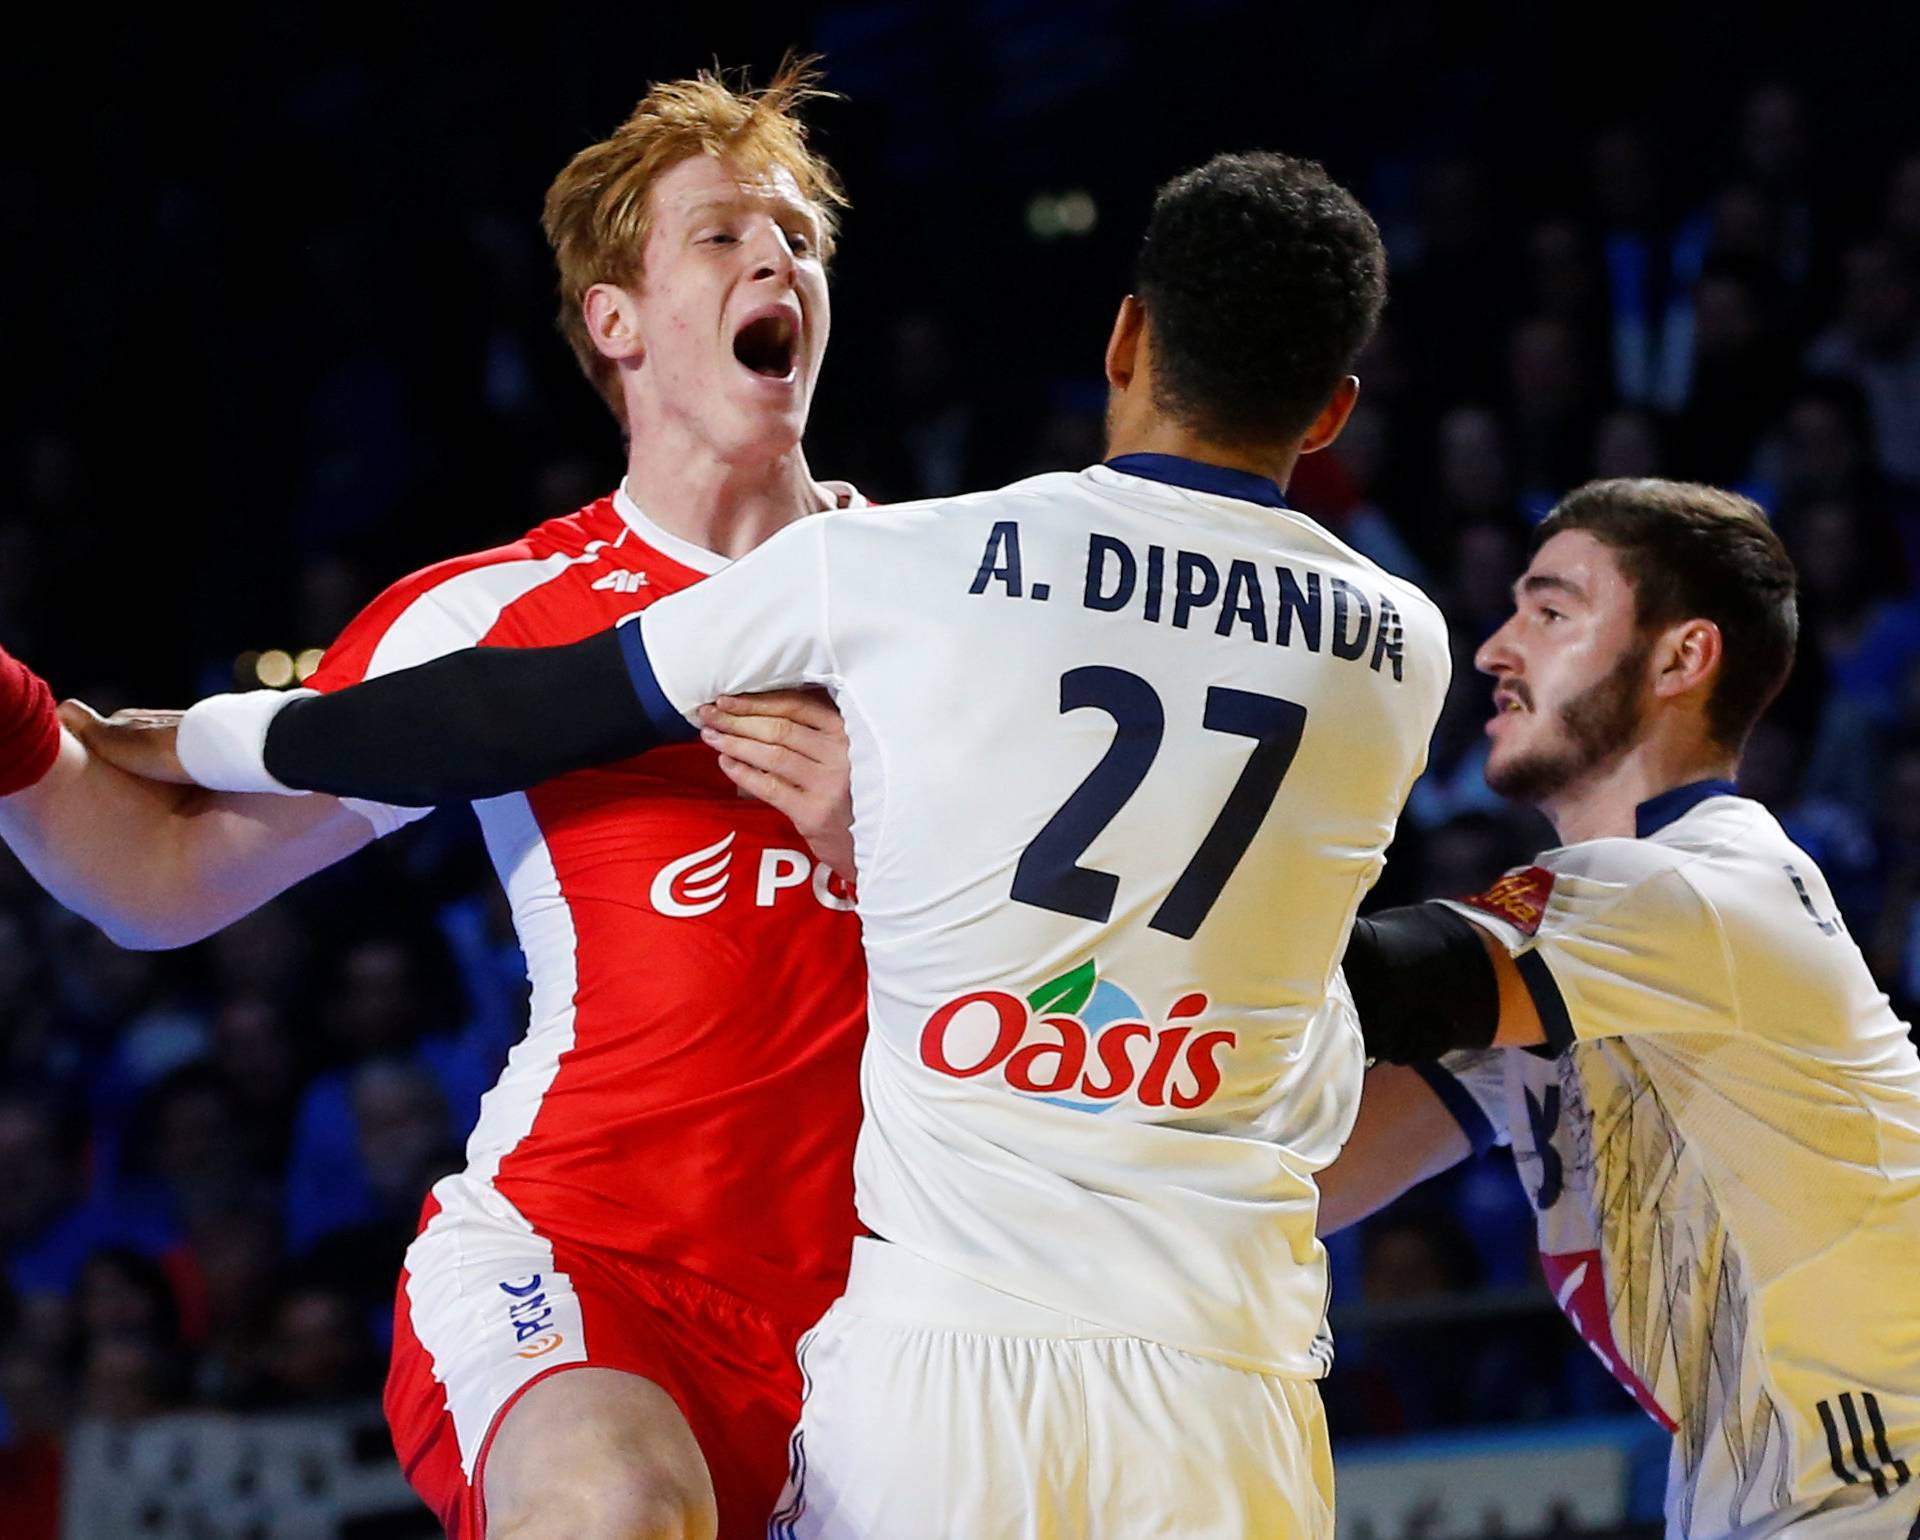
{"x":742,"y":200}
{"x":1535,"y":583}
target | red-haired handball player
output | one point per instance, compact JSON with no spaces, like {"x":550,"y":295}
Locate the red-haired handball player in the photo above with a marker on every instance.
{"x":1127,"y":747}
{"x":595,"y":1331}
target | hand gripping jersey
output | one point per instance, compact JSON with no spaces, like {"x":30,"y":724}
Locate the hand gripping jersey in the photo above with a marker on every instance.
{"x":686,"y":1090}
{"x":1128,"y":746}
{"x":1724,"y":1157}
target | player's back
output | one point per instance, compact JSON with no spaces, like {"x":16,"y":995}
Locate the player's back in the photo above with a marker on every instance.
{"x":1127,"y":754}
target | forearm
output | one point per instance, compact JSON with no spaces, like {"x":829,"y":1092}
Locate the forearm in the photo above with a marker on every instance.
{"x":1403,"y":1135}
{"x":474,"y":724}
{"x":155,"y":865}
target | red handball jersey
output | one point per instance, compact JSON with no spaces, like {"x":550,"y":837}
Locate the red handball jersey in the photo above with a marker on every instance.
{"x":688,"y":1087}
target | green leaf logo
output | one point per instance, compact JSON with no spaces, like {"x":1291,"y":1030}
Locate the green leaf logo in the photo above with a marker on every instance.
{"x":1065,"y":995}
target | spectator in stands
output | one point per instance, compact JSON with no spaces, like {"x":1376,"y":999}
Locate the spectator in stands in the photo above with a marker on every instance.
{"x":316,"y":1351}
{"x":1876,"y":343}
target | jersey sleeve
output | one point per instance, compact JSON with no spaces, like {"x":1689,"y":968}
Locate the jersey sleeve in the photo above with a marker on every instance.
{"x":1643,"y":953}
{"x":760,"y":624}
{"x":1472,"y":1085}
{"x":405,"y":625}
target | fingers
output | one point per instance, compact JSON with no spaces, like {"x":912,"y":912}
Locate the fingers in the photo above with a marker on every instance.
{"x":143,"y":743}
{"x":78,"y":717}
{"x":773,"y":758}
{"x":776,"y":711}
{"x":806,"y":703}
{"x":829,"y":838}
{"x":793,"y":802}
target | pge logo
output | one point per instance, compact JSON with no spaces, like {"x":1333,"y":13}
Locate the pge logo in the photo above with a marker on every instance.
{"x":530,"y":1315}
{"x":697,"y":884}
{"x":1079,"y":1041}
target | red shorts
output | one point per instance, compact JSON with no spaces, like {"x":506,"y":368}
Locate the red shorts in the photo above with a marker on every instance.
{"x":487,"y":1308}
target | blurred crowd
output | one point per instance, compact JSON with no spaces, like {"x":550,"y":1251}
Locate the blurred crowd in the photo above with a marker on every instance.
{"x":211,"y":1160}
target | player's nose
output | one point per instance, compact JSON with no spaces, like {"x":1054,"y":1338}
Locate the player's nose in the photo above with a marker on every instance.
{"x":771,"y":256}
{"x":1497,"y":655}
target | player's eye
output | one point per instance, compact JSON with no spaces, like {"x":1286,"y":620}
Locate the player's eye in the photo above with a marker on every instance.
{"x":719,"y":238}
{"x":1548,"y":612}
{"x":800,"y":241}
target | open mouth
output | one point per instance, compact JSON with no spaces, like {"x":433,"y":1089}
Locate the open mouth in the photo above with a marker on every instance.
{"x":769,"y":345}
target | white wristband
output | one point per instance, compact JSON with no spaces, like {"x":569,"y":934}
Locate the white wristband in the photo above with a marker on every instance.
{"x":222,"y":740}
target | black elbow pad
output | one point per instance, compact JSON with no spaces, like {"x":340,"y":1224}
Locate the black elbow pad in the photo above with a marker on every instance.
{"x":1422,"y":983}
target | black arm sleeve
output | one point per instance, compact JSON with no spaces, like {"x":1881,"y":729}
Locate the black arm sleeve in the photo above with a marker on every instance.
{"x":473,"y":724}
{"x":1422,"y":982}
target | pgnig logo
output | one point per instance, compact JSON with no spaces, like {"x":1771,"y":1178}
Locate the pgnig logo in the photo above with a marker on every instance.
{"x":1079,"y":1041}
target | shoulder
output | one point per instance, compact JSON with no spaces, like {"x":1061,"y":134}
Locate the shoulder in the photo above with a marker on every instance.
{"x":1692,"y":848}
{"x":1574,"y":888}
{"x":901,"y":532}
{"x":1000,"y":502}
{"x":453,"y":603}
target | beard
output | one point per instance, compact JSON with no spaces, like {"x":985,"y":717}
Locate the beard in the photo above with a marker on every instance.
{"x":1599,"y":724}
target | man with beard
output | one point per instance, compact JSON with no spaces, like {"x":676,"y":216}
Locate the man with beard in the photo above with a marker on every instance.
{"x":1718,"y":1123}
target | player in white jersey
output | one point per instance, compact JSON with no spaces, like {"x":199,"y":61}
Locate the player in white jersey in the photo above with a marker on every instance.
{"x":1127,"y":749}
{"x":1719,"y":1127}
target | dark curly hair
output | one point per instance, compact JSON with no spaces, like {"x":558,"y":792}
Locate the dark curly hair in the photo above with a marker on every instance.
{"x":1262,"y":279}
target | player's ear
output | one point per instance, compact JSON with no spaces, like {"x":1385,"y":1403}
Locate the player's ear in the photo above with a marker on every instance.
{"x":1333,"y":416}
{"x":613,"y":321}
{"x":1687,"y":657}
{"x":1123,"y":347}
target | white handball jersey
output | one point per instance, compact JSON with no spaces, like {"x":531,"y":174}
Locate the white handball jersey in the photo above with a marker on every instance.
{"x":1724,"y":1155}
{"x":1127,"y":748}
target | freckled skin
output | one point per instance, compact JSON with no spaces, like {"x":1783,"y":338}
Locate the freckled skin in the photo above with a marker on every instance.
{"x":726,"y":244}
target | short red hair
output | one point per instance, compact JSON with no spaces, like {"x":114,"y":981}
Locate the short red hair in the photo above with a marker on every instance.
{"x":597,"y":213}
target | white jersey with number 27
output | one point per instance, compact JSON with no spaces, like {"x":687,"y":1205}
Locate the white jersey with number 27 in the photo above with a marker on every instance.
{"x":1128,"y":746}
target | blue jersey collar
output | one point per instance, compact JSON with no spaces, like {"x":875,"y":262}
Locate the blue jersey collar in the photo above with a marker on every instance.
{"x":1653,"y":815}
{"x":1177,"y":470}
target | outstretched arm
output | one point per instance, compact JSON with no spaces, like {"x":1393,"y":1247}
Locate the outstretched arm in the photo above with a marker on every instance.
{"x":473,"y":724}
{"x":152,"y":865}
{"x":491,"y":720}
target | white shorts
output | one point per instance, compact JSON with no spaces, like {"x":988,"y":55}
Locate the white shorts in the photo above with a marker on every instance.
{"x":940,"y":1409}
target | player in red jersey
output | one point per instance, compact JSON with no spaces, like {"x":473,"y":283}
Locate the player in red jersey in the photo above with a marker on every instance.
{"x":658,"y":1194}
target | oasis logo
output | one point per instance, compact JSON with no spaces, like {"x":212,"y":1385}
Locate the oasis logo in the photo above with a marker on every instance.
{"x":531,"y":1315}
{"x":1078,"y":1041}
{"x":697,"y":884}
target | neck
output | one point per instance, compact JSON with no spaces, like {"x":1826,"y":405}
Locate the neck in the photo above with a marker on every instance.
{"x":1162,"y":436}
{"x":1602,"y":804}
{"x":724,"y":505}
